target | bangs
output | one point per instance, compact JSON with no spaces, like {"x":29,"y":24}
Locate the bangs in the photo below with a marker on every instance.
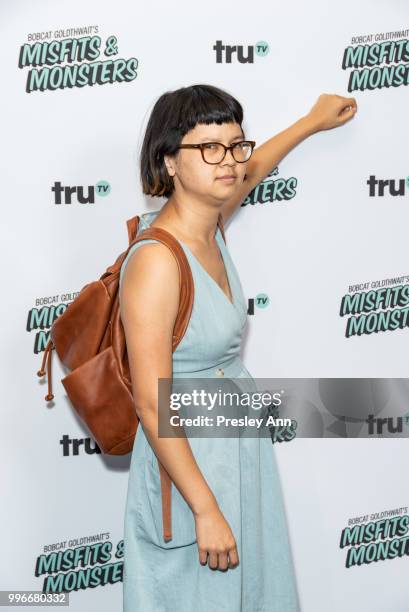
{"x":174,"y":114}
{"x":206,"y":104}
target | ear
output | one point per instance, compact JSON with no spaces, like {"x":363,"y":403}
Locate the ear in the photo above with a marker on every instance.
{"x":169,"y":165}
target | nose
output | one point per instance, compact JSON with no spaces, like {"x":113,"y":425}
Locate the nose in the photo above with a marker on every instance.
{"x":231,"y":156}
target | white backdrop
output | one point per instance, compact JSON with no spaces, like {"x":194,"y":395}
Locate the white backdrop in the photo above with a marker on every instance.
{"x":305,"y":253}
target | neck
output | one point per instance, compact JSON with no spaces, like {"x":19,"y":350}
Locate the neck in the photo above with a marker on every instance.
{"x":190,"y":222}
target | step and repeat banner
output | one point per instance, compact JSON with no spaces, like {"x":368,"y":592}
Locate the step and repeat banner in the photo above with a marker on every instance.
{"x":321,"y":246}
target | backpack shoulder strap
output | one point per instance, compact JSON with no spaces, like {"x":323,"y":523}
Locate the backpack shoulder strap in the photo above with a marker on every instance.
{"x":132,"y":227}
{"x":186,"y":295}
{"x":185,"y":274}
{"x":181,"y":323}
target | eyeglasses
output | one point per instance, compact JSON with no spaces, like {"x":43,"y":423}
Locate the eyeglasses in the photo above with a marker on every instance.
{"x":215,"y":152}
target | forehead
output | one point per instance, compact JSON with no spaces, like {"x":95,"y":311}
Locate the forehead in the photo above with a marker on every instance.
{"x":214,"y":131}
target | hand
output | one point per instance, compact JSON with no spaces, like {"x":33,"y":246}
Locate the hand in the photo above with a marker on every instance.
{"x":215,"y":538}
{"x":331,"y":111}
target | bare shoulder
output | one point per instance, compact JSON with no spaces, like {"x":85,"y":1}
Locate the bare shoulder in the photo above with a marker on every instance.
{"x":150,"y":284}
{"x":149,"y":302}
{"x":152,"y":260}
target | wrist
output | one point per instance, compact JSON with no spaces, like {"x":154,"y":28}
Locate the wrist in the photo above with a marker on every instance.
{"x":204,"y":506}
{"x":309,"y":126}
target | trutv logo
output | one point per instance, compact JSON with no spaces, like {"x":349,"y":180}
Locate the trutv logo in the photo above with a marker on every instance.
{"x":382,"y":187}
{"x":260,"y":301}
{"x":78,"y":446}
{"x":226,"y":54}
{"x":66,"y":194}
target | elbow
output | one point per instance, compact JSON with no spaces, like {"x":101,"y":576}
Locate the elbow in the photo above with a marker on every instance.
{"x":146,"y":411}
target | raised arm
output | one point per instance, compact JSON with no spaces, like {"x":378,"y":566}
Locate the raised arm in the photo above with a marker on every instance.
{"x":328,"y":112}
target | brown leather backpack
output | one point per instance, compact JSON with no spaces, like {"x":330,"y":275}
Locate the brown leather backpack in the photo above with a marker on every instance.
{"x":90,"y":341}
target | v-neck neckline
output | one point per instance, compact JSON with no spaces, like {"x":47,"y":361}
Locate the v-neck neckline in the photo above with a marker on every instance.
{"x":226,"y":268}
{"x":231,"y":302}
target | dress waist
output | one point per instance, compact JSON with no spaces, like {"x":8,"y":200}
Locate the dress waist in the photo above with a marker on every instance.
{"x":231,"y":367}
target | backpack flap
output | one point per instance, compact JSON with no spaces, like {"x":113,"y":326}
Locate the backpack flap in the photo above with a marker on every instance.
{"x":79,"y":332}
{"x":104,"y":402}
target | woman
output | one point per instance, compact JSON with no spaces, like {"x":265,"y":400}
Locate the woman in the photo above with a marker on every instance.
{"x":229,"y":548}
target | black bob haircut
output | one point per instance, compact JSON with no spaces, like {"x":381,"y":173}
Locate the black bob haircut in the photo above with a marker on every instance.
{"x":174,"y":114}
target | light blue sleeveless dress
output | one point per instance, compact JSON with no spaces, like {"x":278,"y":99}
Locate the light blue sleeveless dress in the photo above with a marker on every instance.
{"x":164,"y":576}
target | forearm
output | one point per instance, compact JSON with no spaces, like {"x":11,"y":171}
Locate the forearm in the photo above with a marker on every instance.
{"x":270,"y":153}
{"x":175,"y":454}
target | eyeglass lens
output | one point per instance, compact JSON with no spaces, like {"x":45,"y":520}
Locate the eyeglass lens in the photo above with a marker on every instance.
{"x":214,"y":152}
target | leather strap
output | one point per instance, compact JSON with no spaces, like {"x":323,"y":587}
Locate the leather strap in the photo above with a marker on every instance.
{"x":182,"y":321}
{"x":186,"y":293}
{"x":132,"y":227}
{"x":166,"y":491}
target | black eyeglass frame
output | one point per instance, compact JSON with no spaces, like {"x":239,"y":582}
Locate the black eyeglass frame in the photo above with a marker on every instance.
{"x":231,"y":147}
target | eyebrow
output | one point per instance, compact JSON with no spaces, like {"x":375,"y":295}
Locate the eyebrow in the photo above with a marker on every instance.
{"x":213,"y":140}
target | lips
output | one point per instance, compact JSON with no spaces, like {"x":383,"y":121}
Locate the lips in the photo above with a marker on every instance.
{"x":227,"y":176}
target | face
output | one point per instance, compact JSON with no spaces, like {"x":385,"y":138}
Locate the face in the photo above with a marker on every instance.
{"x":191,"y":174}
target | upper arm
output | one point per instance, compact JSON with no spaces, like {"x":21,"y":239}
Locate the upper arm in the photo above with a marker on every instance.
{"x":149,"y":301}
